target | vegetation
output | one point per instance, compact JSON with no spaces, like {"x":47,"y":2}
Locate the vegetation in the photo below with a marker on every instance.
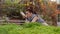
{"x":42,"y":7}
{"x":28,"y":28}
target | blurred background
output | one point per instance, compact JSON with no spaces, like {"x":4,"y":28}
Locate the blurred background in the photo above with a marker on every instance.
{"x":49,"y":10}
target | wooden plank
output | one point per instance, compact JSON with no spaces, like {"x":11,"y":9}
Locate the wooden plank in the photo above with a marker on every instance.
{"x":13,"y":21}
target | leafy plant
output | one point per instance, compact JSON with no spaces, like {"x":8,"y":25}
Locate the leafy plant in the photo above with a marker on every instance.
{"x":28,"y":28}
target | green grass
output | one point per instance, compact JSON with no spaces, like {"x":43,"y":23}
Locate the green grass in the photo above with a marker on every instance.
{"x":31,"y":28}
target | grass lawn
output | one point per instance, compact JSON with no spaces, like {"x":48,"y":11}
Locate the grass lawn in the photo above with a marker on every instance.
{"x":31,"y":28}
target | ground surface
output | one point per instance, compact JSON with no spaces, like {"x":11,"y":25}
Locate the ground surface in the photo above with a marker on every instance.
{"x":58,"y":23}
{"x":31,"y":28}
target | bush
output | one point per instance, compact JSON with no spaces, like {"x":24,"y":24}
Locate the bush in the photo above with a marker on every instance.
{"x":28,"y":28}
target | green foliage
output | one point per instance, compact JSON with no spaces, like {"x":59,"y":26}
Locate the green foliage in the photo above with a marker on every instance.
{"x":9,"y":9}
{"x":28,"y":28}
{"x":11,"y":1}
{"x":31,"y":25}
{"x":12,"y":6}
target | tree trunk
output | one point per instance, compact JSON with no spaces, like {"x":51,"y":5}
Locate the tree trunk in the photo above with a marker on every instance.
{"x":54,"y":20}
